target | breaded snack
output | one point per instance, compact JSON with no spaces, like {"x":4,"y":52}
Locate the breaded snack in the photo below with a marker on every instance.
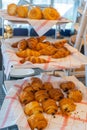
{"x":56,"y":94}
{"x":37,"y":121}
{"x":50,"y":13}
{"x":68,"y":85}
{"x":50,"y":106}
{"x":67,"y":106}
{"x":35,"y":13}
{"x":12,"y":9}
{"x":33,"y":108}
{"x":75,"y":95}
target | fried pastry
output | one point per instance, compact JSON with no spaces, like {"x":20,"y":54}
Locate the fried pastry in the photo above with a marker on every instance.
{"x":47,"y":86}
{"x":36,"y":83}
{"x":67,"y":106}
{"x":27,"y":87}
{"x":32,"y":43}
{"x":68,"y":85}
{"x":12,"y":9}
{"x":37,"y":121}
{"x":50,"y":106}
{"x":33,"y":108}
{"x":75,"y":95}
{"x":27,"y":53}
{"x":50,"y":13}
{"x":22,"y":45}
{"x":41,"y":95}
{"x":50,"y":50}
{"x":26,"y":97}
{"x":61,"y":53}
{"x":35,"y":13}
{"x":56,"y":94}
{"x":22,"y":11}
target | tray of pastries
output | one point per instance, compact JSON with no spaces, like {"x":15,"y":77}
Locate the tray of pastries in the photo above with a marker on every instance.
{"x":40,"y":52}
{"x":45,"y":102}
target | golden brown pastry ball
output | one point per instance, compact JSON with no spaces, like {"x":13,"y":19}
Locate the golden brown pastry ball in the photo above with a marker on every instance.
{"x":37,"y":121}
{"x":12,"y":9}
{"x":75,"y":95}
{"x":32,"y":108}
{"x":67,"y":105}
{"x":22,"y":11}
{"x":35,"y":13}
{"x":50,"y":13}
{"x":68,"y":85}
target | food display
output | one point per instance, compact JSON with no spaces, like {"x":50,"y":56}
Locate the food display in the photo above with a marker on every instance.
{"x":40,"y":97}
{"x":48,"y":13}
{"x":31,"y":49}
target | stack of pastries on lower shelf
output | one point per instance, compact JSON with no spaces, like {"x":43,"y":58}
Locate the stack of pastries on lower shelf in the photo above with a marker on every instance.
{"x":38,"y":97}
{"x":31,"y":49}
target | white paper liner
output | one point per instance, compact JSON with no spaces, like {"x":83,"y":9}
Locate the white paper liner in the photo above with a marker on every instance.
{"x":75,"y":60}
{"x":12,"y":112}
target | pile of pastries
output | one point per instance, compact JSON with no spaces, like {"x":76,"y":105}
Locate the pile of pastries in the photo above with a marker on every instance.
{"x":38,"y":98}
{"x":33,"y":48}
{"x":48,"y":13}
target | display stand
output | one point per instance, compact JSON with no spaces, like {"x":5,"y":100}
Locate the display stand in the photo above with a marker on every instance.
{"x":82,"y":35}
